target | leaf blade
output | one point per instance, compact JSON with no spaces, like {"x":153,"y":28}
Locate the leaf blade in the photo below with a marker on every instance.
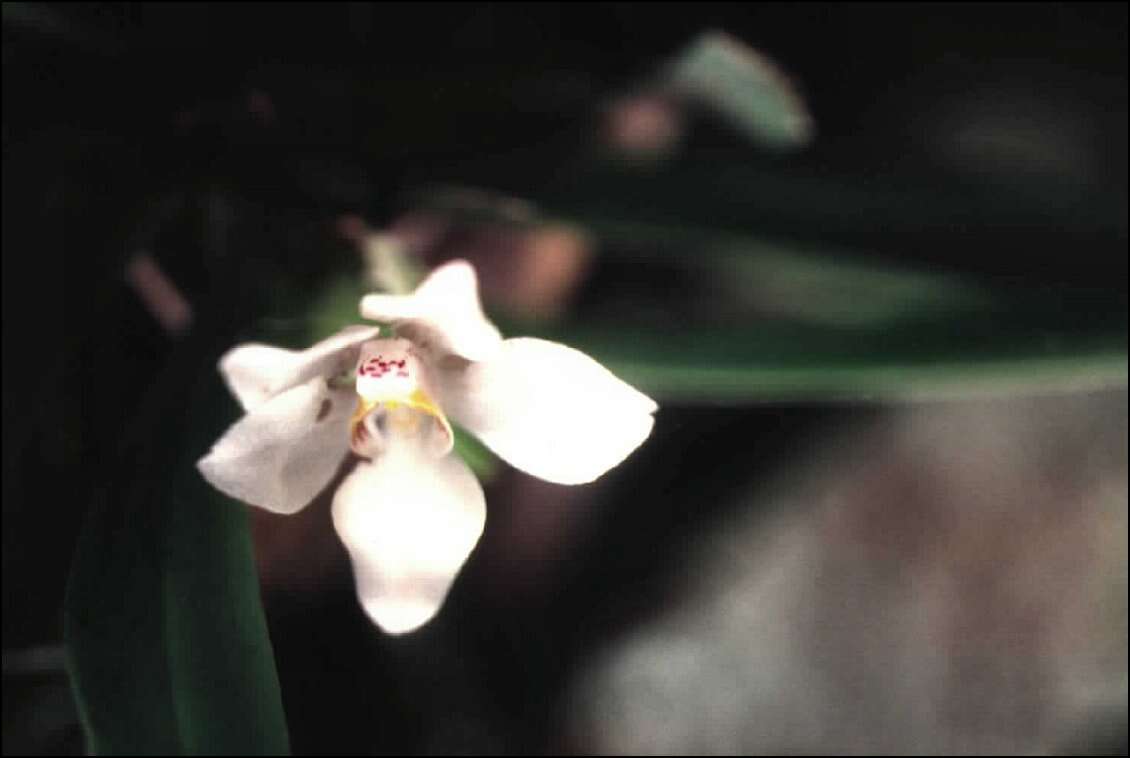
{"x":167,"y":642}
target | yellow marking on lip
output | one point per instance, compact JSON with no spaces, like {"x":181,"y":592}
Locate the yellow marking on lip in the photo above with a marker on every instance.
{"x":418,"y":401}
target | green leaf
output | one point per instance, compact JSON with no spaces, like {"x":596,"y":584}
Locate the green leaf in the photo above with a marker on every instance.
{"x":726,"y":282}
{"x":1034,"y":232}
{"x":333,"y":307}
{"x":475,"y":454}
{"x":780,"y":362}
{"x":167,"y":643}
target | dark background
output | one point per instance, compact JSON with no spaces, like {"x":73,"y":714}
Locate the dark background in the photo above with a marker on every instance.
{"x":227,"y":139}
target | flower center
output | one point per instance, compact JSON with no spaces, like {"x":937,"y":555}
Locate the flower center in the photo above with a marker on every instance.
{"x":393,"y":401}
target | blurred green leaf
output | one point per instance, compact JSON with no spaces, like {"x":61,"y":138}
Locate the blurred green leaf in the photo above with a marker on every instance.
{"x":475,"y":454}
{"x":1034,"y":232}
{"x":781,"y":362}
{"x":167,"y":643}
{"x":336,"y":305}
{"x":757,"y":279}
{"x":728,"y":282}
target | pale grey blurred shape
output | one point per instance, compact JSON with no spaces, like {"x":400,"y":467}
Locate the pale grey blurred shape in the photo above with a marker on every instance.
{"x":952,"y":578}
{"x":745,"y":86}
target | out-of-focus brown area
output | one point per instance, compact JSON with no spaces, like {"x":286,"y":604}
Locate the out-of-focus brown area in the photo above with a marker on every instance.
{"x":529,"y":270}
{"x":950,"y":578}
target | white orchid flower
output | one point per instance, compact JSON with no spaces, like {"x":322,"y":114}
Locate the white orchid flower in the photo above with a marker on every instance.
{"x":410,"y":512}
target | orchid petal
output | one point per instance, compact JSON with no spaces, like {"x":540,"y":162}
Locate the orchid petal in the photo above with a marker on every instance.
{"x":548,"y":410}
{"x":409,"y":522}
{"x":255,"y":372}
{"x":442,"y":317}
{"x":284,"y":452}
{"x":250,"y":371}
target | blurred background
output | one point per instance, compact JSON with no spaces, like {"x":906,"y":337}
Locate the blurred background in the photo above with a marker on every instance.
{"x":869,"y":258}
